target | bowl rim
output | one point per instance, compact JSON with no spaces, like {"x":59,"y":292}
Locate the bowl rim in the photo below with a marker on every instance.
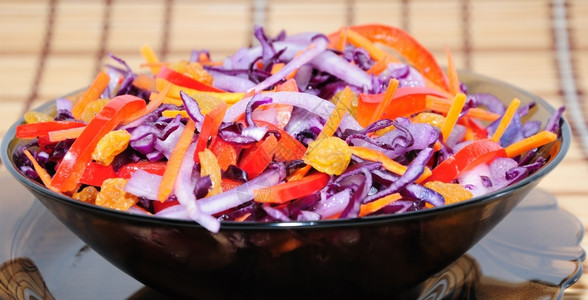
{"x":565,"y":142}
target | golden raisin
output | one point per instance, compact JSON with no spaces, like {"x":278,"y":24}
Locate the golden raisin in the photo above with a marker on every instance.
{"x":112,"y":195}
{"x":209,"y":166}
{"x":87,"y":194}
{"x":110,"y":145}
{"x":329,"y":155}
{"x":193,"y":70}
{"x":36,"y":117}
{"x":92,"y":109}
{"x":452,"y":192}
{"x":432,"y":119}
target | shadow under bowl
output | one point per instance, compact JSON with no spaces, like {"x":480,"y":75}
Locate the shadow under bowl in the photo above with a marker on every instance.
{"x":369,"y":257}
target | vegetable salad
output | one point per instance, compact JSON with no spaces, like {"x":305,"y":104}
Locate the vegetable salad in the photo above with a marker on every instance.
{"x":300,"y":127}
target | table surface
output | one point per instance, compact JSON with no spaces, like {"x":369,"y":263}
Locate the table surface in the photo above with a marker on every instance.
{"x":49,"y":48}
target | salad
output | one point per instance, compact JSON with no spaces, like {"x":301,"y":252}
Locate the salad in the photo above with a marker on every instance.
{"x":301,"y":127}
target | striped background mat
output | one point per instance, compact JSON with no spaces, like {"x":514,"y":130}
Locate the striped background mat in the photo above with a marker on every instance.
{"x":49,"y":48}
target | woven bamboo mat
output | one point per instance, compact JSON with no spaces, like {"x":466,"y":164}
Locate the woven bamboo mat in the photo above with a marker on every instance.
{"x":51,"y":47}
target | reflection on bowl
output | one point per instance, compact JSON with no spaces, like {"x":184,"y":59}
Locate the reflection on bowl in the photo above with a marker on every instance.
{"x":367,"y":257}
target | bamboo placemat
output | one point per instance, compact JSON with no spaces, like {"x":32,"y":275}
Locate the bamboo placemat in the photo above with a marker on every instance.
{"x":49,"y":48}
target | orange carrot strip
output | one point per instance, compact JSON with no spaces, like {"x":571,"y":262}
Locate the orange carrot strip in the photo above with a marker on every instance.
{"x":453,"y":115}
{"x":388,"y":163}
{"x":369,"y":208}
{"x":338,"y":40}
{"x":145,"y":82}
{"x":537,"y":140}
{"x":60,"y":135}
{"x":452,"y":74}
{"x":173,"y":113}
{"x":336,"y":116}
{"x":506,"y":118}
{"x":360,"y":41}
{"x":299,"y":174}
{"x":45,"y":177}
{"x":92,"y":93}
{"x":151,"y":58}
{"x":380,"y":65}
{"x":175,"y":161}
{"x":277,"y":67}
{"x":289,"y":85}
{"x":442,"y":105}
{"x":386,"y":100}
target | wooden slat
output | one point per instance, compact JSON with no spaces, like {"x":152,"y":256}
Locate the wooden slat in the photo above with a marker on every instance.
{"x":522,"y":24}
{"x":511,"y":40}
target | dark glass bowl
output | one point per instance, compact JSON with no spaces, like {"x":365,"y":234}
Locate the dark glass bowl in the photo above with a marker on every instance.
{"x":364,"y":257}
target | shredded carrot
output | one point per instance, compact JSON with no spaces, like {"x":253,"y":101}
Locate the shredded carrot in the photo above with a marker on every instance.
{"x":175,"y":161}
{"x":174,"y":92}
{"x":442,"y":105}
{"x":289,"y":85}
{"x":277,"y":67}
{"x":60,"y":135}
{"x":537,"y":140}
{"x":299,"y":174}
{"x":506,"y":118}
{"x":343,"y":105}
{"x":93,"y":92}
{"x":360,"y":41}
{"x":155,"y":100}
{"x":453,"y":115}
{"x":173,"y":113}
{"x":374,"y":206}
{"x":45,"y":177}
{"x":338,"y":41}
{"x":145,"y":82}
{"x":388,"y":163}
{"x":151,"y":58}
{"x":386,"y":100}
{"x":452,"y":74}
{"x":380,"y":65}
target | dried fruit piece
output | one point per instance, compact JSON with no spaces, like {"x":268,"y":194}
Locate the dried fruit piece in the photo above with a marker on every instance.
{"x":452,"y":192}
{"x":432,"y":119}
{"x":87,"y":194}
{"x":112,"y":195}
{"x":36,"y":117}
{"x":109,"y":146}
{"x":209,"y":166}
{"x":329,"y":155}
{"x":92,"y":109}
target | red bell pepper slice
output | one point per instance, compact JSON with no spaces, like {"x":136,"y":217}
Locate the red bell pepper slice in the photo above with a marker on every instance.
{"x":405,"y":102}
{"x":470,"y":156}
{"x":284,"y":192}
{"x":159,"y":206}
{"x":288,"y":148}
{"x":71,"y":168}
{"x":33,"y":130}
{"x":259,"y":156}
{"x":229,"y":184}
{"x":225,"y":153}
{"x":210,"y":126}
{"x":153,"y":167}
{"x":407,"y":46}
{"x":96,"y":173}
{"x":185,"y":81}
